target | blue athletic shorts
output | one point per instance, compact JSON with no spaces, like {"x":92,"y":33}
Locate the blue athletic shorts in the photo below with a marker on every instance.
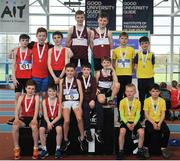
{"x":41,"y":84}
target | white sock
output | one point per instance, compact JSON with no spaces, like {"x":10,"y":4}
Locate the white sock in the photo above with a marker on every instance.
{"x":57,"y":147}
{"x":44,"y":148}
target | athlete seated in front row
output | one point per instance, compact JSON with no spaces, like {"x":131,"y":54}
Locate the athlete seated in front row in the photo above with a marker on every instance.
{"x":26,"y":113}
{"x":52,"y":119}
{"x":154,"y":109}
{"x":108,"y":85}
{"x":130,"y":108}
{"x":71,"y":96}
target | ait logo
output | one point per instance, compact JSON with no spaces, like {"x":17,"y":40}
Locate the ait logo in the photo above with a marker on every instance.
{"x":93,"y":118}
{"x":13,"y":10}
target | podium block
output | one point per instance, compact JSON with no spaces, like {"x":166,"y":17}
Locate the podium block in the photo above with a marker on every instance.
{"x":74,"y":147}
{"x":130,"y":144}
{"x":107,"y":147}
{"x":155,"y":146}
{"x":94,"y":147}
{"x":26,"y":141}
{"x":51,"y":141}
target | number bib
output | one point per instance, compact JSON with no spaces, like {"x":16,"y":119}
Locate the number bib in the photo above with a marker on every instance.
{"x":123,"y":64}
{"x":73,"y":95}
{"x":79,"y":41}
{"x":25,"y":65}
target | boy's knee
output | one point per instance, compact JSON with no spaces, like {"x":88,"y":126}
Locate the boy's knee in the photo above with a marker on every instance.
{"x":101,"y":98}
{"x":122,"y":131}
{"x":15,"y":127}
{"x":79,"y":119}
{"x":42,"y":130}
{"x":58,"y":130}
{"x":141,"y":132}
{"x":34,"y":127}
{"x":66,"y":122}
{"x":117,"y":85}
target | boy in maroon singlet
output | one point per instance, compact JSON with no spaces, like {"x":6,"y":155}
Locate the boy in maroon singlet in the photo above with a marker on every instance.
{"x":101,"y":41}
{"x":71,"y":97}
{"x":78,"y":39}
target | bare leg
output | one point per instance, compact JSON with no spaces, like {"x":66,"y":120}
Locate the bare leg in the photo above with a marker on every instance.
{"x":42,"y":135}
{"x":78,"y":114}
{"x":35,"y":134}
{"x":15,"y":132}
{"x":58,"y":135}
{"x":66,"y":115}
{"x":115,"y":89}
{"x":122,"y":134}
{"x":141,"y":138}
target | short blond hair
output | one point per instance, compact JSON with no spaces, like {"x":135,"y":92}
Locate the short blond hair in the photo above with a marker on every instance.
{"x":131,"y":85}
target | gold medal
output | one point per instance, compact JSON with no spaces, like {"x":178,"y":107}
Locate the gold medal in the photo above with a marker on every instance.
{"x":52,"y":118}
{"x":39,"y":60}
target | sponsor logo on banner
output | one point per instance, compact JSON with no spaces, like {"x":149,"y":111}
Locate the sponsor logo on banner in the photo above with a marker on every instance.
{"x":14,"y":15}
{"x":93,"y":8}
{"x":138,"y":15}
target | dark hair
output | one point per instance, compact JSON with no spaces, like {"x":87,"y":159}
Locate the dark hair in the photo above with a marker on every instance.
{"x":70,"y":65}
{"x":174,"y":84}
{"x":30,"y":82}
{"x":41,"y":29}
{"x":53,"y":87}
{"x":106,"y":58}
{"x":163,"y":85}
{"x":103,"y":14}
{"x":57,"y":33}
{"x":154,"y":86}
{"x":144,"y":39}
{"x":123,"y":34}
{"x":79,"y":12}
{"x":86,"y":65}
{"x":24,"y":36}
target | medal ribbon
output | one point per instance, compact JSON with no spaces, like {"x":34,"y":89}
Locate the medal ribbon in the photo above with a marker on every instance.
{"x":21,"y":57}
{"x":52,"y":110}
{"x":144,"y":60}
{"x":132,"y":106}
{"x":40,"y":54}
{"x":68,"y":89}
{"x":28,"y":107}
{"x":58,"y":55}
{"x":79,"y":35}
{"x":84,"y":81}
{"x":155,"y":107}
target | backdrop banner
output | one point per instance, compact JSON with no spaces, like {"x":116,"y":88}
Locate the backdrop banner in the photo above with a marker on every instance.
{"x":92,"y":9}
{"x":14,"y":15}
{"x":138,"y":15}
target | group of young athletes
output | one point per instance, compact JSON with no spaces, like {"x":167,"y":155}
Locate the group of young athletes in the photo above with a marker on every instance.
{"x":48,"y":72}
